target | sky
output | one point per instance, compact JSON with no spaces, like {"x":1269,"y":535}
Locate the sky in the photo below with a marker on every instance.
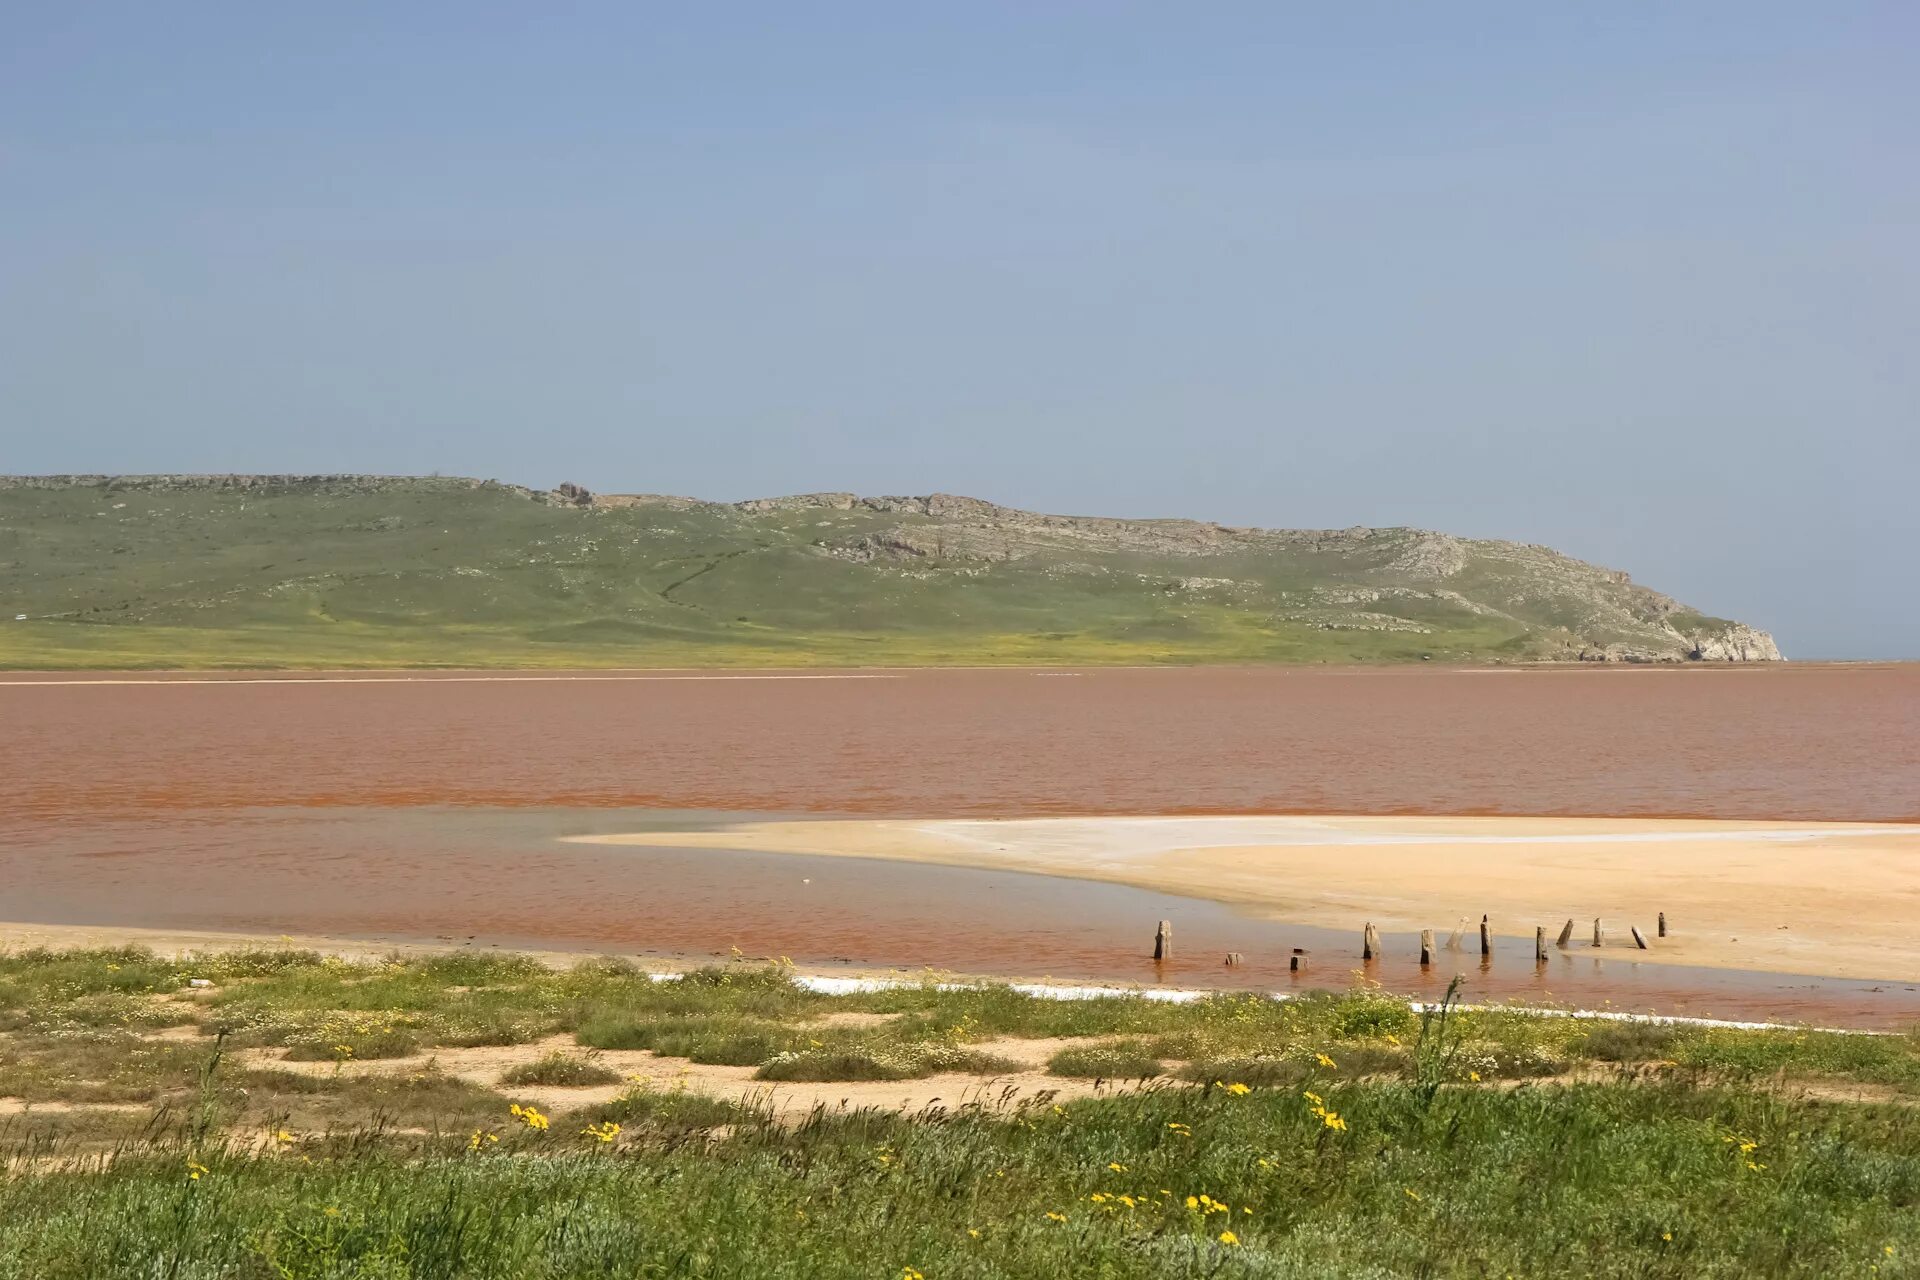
{"x":1635,"y":281}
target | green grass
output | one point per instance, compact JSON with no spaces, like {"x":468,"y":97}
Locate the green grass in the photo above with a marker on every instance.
{"x":435,"y":573}
{"x":670,"y":1111}
{"x":746,"y":1015}
{"x":881,"y":1062}
{"x":1334,"y":1135}
{"x":1114,"y":1060}
{"x":1622,"y":1180}
{"x":563,"y":1069}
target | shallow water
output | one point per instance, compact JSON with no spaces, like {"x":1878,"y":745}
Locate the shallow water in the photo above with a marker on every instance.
{"x":497,"y":878}
{"x":428,"y":808}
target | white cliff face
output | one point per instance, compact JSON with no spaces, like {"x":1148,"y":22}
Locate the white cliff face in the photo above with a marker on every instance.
{"x":1729,"y":642}
{"x":1738,"y":643}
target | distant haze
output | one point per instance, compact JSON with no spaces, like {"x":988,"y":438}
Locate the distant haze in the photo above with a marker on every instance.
{"x":1637,"y":282}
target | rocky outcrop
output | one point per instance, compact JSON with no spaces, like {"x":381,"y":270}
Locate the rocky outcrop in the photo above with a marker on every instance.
{"x":1736,"y":643}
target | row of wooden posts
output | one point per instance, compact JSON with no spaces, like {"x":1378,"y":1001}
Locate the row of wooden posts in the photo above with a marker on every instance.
{"x":1370,"y":941}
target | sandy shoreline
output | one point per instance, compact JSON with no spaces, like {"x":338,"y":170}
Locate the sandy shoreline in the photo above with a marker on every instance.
{"x":1828,"y":899}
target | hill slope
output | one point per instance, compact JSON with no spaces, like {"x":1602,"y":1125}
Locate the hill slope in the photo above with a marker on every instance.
{"x":371,"y":571}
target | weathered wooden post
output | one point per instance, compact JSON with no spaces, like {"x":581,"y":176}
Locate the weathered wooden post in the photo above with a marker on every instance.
{"x":1566,"y":934}
{"x":1663,"y":924}
{"x":1163,"y":941}
{"x":1596,"y":931}
{"x":1293,"y":964}
{"x":1639,"y":938}
{"x":1234,"y":957}
{"x":1369,"y":942}
{"x":1539,"y":944}
{"x":1486,"y":937}
{"x":1426,"y":947}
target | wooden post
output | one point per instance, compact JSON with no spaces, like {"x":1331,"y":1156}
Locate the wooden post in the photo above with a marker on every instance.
{"x":1539,"y":944}
{"x":1426,"y":947}
{"x":1234,"y":957}
{"x":1293,"y":964}
{"x":1486,"y":937}
{"x":1663,"y":924}
{"x":1639,"y":938}
{"x":1163,"y":941}
{"x":1369,"y":942}
{"x":1566,"y":934}
{"x":1596,"y":931}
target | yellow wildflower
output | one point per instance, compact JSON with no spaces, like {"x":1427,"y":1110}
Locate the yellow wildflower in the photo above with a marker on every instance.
{"x":1117,"y":1168}
{"x":1667,"y":1236}
{"x":282,"y":1136}
{"x":1474,"y":1076}
{"x":1318,"y":1107}
{"x":910,"y":1273}
{"x":529,"y":1116}
{"x":1324,"y":1060}
{"x":1411,"y":1193}
{"x":1056,"y":1217}
{"x":1238,"y":1090}
{"x":1228,"y":1238}
{"x":605,"y":1131}
{"x":194,"y":1170}
{"x":974,"y":1232}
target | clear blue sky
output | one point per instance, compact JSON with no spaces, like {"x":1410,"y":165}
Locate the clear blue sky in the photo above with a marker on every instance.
{"x":1638,"y":281}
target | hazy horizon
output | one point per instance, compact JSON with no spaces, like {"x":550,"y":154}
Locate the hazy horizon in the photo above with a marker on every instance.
{"x":1634,"y":284}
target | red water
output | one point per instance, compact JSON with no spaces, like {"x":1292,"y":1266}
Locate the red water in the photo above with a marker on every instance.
{"x":1821,"y":742}
{"x":427,"y":807}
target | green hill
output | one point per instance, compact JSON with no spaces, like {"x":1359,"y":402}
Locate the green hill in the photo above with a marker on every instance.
{"x":364,"y":571}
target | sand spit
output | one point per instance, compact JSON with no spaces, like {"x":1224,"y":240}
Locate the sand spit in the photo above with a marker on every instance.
{"x":1827,"y":899}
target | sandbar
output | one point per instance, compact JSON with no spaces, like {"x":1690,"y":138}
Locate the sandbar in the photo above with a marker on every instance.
{"x":1821,"y":898}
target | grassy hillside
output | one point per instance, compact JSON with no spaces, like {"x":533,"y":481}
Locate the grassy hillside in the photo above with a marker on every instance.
{"x":361,"y":571}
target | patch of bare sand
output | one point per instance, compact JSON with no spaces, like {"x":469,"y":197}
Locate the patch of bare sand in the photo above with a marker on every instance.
{"x":182,"y":1031}
{"x":1789,"y":897}
{"x":851,"y":1018}
{"x":485,"y":1064}
{"x":52,"y":1107}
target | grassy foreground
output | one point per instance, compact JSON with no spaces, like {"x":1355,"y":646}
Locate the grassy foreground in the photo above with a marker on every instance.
{"x":302,"y":1116}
